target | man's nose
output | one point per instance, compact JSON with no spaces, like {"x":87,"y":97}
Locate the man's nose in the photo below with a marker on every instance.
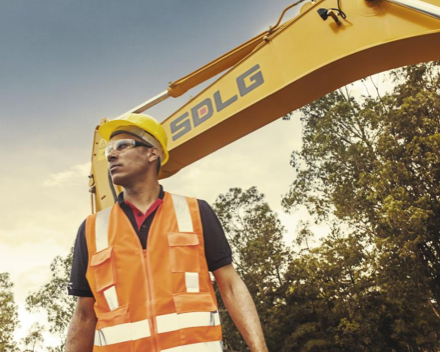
{"x":112,"y":155}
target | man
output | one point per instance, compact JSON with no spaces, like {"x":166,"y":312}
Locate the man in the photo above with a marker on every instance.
{"x":141,"y":268}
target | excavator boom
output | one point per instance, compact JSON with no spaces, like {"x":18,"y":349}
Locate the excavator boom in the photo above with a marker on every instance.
{"x":318,"y":51}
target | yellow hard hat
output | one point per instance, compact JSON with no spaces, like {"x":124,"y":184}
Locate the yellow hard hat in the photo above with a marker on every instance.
{"x":138,"y":124}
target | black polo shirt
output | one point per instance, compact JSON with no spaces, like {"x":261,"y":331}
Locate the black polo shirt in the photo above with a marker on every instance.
{"x":217,"y":250}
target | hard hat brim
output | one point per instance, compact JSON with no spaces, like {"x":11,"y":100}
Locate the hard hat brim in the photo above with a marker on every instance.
{"x":106,"y":130}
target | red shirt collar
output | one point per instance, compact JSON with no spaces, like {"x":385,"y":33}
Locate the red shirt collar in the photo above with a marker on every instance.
{"x":139,"y":216}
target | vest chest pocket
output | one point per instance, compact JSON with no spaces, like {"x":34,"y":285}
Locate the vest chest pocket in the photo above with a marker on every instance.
{"x":184,"y":252}
{"x":104,"y":270}
{"x":115,"y":317}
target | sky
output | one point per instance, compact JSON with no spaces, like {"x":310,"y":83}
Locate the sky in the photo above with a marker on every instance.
{"x":64,"y":65}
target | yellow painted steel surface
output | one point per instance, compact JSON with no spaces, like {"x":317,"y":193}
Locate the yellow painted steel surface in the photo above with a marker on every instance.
{"x":215,"y":67}
{"x":103,"y":190}
{"x":300,"y":62}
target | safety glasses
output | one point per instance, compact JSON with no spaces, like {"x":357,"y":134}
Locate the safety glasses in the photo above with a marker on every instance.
{"x":122,"y":145}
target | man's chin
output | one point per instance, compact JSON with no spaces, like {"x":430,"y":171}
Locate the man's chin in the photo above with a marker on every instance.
{"x":118,"y":180}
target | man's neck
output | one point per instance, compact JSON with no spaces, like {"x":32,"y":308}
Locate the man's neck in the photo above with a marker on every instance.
{"x":142,"y":196}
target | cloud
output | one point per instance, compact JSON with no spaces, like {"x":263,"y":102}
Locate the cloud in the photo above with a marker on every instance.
{"x":260,"y":159}
{"x":74,"y":175}
{"x":28,"y":266}
{"x":45,"y":202}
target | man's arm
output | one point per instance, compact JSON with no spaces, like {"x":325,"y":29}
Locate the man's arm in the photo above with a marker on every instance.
{"x":81,"y":331}
{"x":241,"y":307}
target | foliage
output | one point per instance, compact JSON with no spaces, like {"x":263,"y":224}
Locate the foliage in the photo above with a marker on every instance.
{"x":260,"y":256}
{"x":8,"y":314}
{"x":334,"y":299}
{"x":34,"y":338}
{"x":371,"y":168}
{"x":53,"y":299}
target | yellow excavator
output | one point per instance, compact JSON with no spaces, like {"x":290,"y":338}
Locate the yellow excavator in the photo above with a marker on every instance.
{"x":330,"y":43}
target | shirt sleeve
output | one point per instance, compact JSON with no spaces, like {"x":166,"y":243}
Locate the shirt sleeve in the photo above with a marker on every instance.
{"x":79,"y":285}
{"x":217,"y":250}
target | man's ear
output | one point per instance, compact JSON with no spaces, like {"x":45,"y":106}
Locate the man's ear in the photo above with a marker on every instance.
{"x":154,"y":154}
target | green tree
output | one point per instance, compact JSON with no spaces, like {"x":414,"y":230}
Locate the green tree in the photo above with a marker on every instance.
{"x":34,"y":339}
{"x":334,"y":303}
{"x":52,"y":298}
{"x":259,"y":254}
{"x":8,"y":314}
{"x":370,"y":166}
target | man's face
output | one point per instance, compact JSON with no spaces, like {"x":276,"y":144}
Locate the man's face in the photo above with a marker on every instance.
{"x":130,"y":165}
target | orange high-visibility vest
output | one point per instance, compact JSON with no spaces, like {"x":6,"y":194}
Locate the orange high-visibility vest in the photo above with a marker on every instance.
{"x":158,"y":299}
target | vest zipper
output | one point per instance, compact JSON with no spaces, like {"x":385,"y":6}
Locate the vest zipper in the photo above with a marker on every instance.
{"x":149,"y":290}
{"x":148,"y":282}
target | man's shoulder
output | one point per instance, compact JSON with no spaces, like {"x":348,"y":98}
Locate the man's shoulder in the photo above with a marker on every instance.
{"x":203,"y":204}
{"x":82,"y":227}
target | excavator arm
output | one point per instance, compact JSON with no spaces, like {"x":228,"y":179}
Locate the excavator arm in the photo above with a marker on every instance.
{"x":329,"y":44}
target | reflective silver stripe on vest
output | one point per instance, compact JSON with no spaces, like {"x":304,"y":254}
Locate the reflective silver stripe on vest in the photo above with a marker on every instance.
{"x":101,"y":229}
{"x":122,"y":333}
{"x":111,"y":297}
{"x":185,"y":224}
{"x":174,"y":321}
{"x":215,"y":346}
{"x":192,"y":282}
{"x":101,"y":237}
{"x":184,"y":220}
